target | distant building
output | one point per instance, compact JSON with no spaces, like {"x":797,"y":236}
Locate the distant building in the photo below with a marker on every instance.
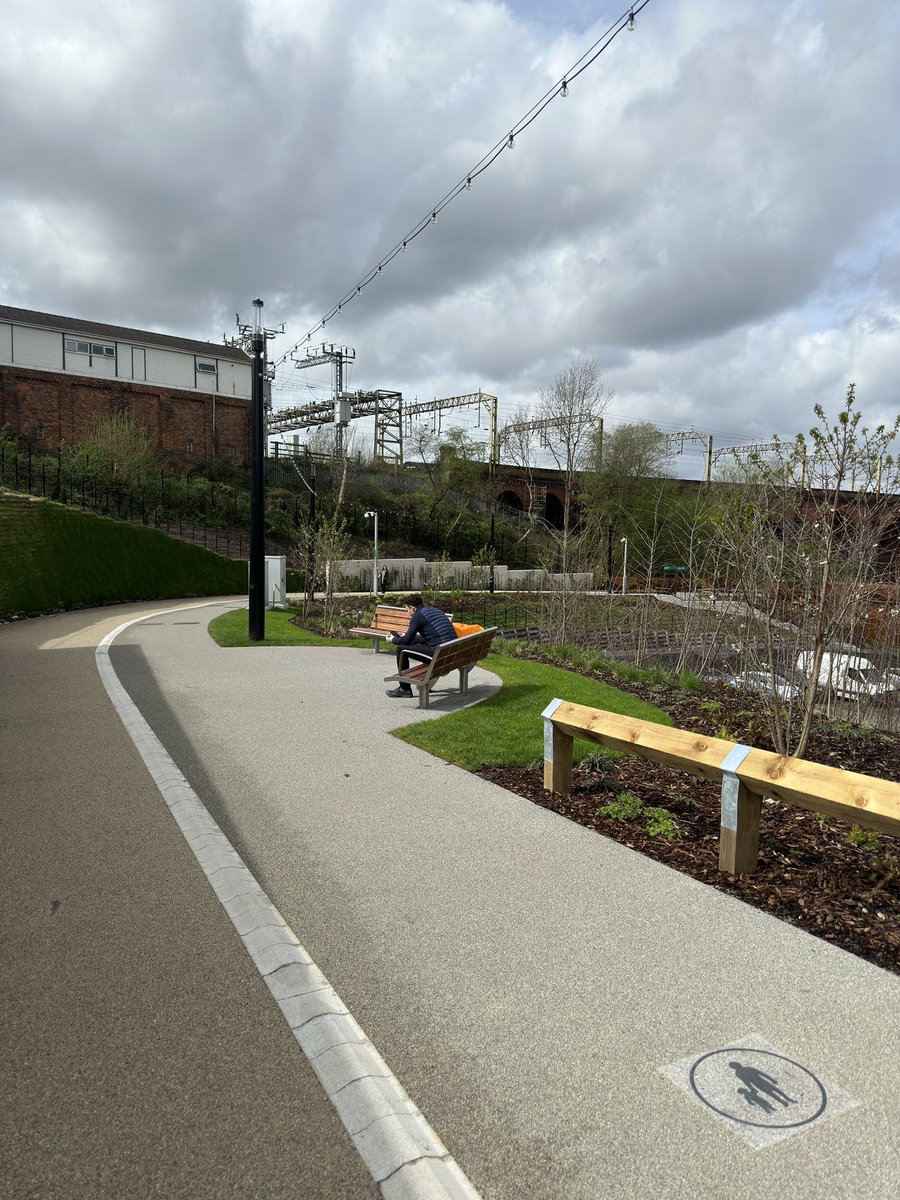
{"x":59,"y":374}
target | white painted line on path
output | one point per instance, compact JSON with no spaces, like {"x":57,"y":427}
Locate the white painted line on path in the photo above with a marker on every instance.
{"x":403,"y":1153}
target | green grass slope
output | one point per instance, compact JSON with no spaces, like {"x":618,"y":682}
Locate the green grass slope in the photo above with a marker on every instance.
{"x":506,"y":729}
{"x":53,"y":557}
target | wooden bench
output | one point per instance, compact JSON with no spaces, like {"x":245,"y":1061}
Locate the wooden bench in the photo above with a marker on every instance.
{"x":459,"y":655}
{"x":387,"y":620}
{"x":747,"y":775}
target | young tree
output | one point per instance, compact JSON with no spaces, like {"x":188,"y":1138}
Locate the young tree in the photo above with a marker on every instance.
{"x":801,"y":542}
{"x":568,"y":416}
{"x":320,"y":548}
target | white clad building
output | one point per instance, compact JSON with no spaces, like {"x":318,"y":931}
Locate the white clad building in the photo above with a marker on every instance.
{"x":58,"y":374}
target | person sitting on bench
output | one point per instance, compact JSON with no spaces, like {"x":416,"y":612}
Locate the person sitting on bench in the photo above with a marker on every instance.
{"x":428,"y":629}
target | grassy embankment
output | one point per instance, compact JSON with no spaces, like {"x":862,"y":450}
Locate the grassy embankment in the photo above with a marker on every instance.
{"x":506,"y":729}
{"x":55,"y":558}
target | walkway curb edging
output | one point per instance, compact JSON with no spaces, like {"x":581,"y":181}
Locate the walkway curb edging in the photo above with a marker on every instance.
{"x":404,"y":1155}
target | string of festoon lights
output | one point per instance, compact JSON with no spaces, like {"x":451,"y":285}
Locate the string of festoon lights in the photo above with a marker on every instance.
{"x":507,"y":142}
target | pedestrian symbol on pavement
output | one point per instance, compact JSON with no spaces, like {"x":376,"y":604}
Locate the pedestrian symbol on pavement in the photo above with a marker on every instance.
{"x":764,"y":1095}
{"x":757,"y":1087}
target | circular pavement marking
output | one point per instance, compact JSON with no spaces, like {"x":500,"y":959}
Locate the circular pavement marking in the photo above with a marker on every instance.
{"x":758,"y":1087}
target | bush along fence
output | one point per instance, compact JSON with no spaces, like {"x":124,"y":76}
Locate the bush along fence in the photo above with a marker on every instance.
{"x":199,"y":510}
{"x":212,"y":513}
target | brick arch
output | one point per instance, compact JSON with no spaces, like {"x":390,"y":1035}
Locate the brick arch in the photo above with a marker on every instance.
{"x":513,"y":497}
{"x":554,"y":508}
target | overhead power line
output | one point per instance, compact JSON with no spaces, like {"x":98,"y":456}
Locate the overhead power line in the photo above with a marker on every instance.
{"x":507,"y":142}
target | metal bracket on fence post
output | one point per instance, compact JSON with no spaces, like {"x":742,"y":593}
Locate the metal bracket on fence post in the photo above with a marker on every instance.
{"x":557,"y":753}
{"x":739,"y":822}
{"x":548,"y":728}
{"x":731,"y":785}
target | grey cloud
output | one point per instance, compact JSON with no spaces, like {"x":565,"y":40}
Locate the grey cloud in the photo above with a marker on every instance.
{"x":712,"y":212}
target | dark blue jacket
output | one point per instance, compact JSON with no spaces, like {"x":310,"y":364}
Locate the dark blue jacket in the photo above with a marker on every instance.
{"x":428,"y":625}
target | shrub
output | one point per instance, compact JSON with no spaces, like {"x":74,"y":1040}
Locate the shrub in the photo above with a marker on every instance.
{"x":865,"y":839}
{"x":661,"y":823}
{"x":625,"y":808}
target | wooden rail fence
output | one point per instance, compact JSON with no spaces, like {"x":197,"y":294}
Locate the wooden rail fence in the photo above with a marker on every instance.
{"x":747,"y":775}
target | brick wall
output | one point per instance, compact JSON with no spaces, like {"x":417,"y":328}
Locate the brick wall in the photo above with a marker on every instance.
{"x":57,"y":410}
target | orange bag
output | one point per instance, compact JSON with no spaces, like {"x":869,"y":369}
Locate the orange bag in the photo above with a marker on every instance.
{"x":464,"y":630}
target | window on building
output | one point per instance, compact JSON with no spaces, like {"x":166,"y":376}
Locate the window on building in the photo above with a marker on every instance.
{"x":94,"y":349}
{"x":189,"y":446}
{"x":206,"y":368}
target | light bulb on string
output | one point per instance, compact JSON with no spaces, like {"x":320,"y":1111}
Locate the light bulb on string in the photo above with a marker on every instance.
{"x":468,"y":183}
{"x":434,"y":216}
{"x":511,"y":143}
{"x":631,"y":20}
{"x":564,"y":89}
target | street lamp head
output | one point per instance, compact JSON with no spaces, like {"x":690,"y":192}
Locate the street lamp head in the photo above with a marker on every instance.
{"x":370,"y":514}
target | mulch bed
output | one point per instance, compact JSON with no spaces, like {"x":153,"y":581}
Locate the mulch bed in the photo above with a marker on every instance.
{"x":836,"y":882}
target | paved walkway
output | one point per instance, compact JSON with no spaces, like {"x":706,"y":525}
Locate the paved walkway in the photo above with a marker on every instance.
{"x":562,"y":1012}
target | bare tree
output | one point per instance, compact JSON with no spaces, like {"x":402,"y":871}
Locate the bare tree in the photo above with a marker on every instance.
{"x":801,"y":538}
{"x":320,"y":549}
{"x":568,"y":415}
{"x":624,"y":492}
{"x":323,"y":440}
{"x":518,"y":445}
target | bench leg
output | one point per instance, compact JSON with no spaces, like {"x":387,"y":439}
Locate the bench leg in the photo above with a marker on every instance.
{"x":423,"y":695}
{"x":464,"y":680}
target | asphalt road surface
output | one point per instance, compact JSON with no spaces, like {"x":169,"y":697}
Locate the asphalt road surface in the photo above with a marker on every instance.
{"x":562,"y":1011}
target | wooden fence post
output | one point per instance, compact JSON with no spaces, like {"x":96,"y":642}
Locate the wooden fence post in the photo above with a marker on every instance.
{"x":741,"y":810}
{"x":557,"y":753}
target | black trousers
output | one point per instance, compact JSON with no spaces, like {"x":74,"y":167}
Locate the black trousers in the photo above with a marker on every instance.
{"x":419,"y":651}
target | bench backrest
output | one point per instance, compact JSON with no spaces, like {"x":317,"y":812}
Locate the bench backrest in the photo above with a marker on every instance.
{"x":390,"y":619}
{"x":462,"y":652}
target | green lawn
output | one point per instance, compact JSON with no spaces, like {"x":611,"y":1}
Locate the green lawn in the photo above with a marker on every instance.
{"x":231,"y":630}
{"x":507,"y":729}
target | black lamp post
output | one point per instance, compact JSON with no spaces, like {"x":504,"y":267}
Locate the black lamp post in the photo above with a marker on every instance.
{"x":257,"y":592}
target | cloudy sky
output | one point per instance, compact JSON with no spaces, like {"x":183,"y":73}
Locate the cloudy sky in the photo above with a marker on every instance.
{"x":712,"y":212}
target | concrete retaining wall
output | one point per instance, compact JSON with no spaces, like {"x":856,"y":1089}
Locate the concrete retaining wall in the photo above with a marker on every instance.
{"x":420,"y":574}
